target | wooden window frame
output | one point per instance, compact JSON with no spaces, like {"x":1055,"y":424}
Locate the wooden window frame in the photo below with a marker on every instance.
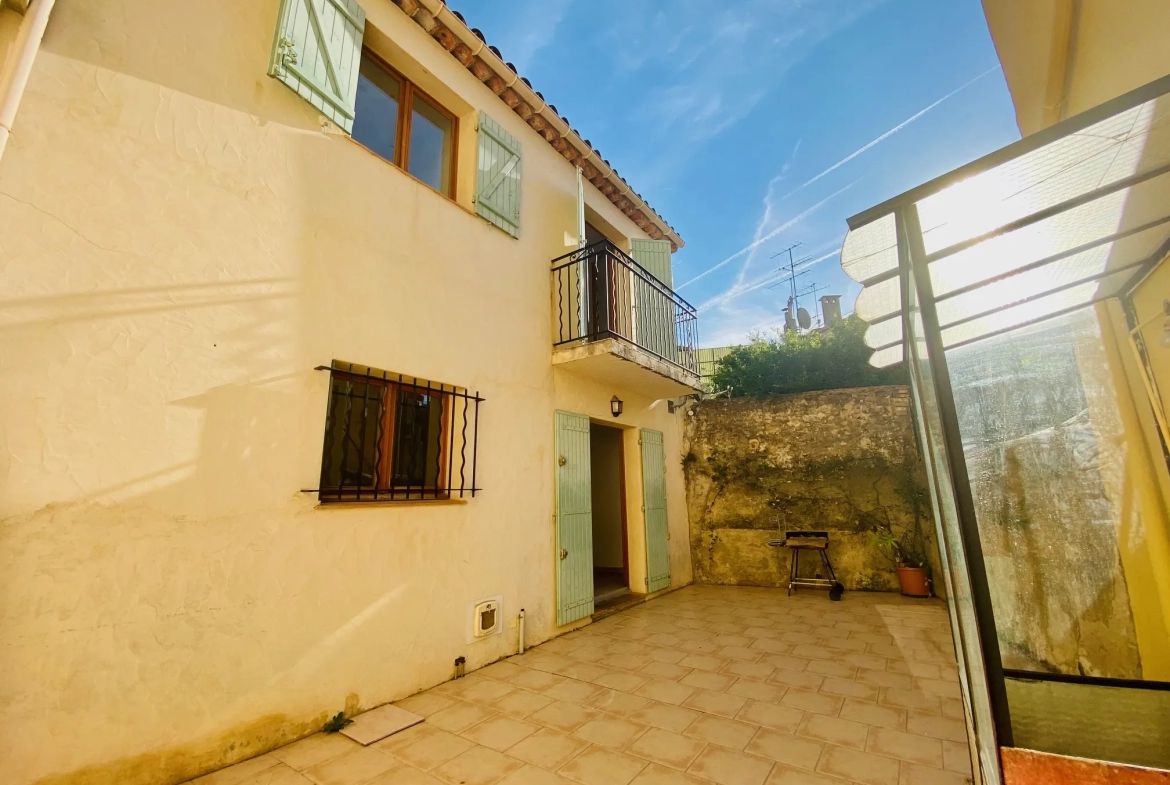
{"x":386,"y":492}
{"x":407,"y":92}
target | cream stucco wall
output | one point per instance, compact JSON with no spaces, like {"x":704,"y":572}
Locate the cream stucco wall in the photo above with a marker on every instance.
{"x":1115,"y":46}
{"x":180,"y":244}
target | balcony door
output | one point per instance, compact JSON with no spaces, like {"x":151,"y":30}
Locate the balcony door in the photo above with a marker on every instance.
{"x":598,"y":283}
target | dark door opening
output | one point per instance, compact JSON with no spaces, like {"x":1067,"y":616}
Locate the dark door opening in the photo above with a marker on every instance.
{"x":611,"y":573}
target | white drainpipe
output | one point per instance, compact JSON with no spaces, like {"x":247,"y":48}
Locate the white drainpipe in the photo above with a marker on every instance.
{"x":18,"y":64}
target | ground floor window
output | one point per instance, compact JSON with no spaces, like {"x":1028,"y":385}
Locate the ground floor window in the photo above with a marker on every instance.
{"x":392,"y":437}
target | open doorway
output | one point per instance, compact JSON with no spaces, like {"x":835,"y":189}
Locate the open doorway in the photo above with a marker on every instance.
{"x":611,"y":571}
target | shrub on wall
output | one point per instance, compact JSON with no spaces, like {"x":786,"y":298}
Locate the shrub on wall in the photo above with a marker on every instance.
{"x":831,"y":359}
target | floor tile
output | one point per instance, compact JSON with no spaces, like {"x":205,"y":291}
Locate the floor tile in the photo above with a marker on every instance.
{"x":571,"y":691}
{"x":535,"y":680}
{"x":712,"y":702}
{"x":861,"y":767}
{"x":309,"y":752}
{"x":848,"y":688}
{"x":665,"y":716}
{"x":665,"y":670}
{"x":665,"y":691}
{"x":620,"y":703}
{"x":404,"y":775}
{"x":500,"y":733}
{"x":351,"y":768}
{"x":873,"y":714}
{"x":621,"y":681}
{"x":667,"y":748}
{"x":426,"y":749}
{"x":519,"y":703}
{"x":905,"y":746}
{"x":722,"y":731}
{"x":792,"y":750}
{"x":749,"y":670}
{"x":782,"y":718}
{"x":377,"y":724}
{"x":610,"y":732}
{"x":477,"y":766}
{"x":548,"y":749}
{"x":791,"y":775}
{"x":728,"y":767}
{"x":706,"y":680}
{"x":562,"y":716}
{"x":812,"y":701}
{"x":240,"y":772}
{"x":598,"y":766}
{"x":957,"y":757}
{"x":661,"y":775}
{"x":501,"y":671}
{"x":913,"y":774}
{"x":531,"y":775}
{"x":427,"y":703}
{"x":277,"y":775}
{"x":800,"y":679}
{"x":834,"y":730}
{"x":937,"y":727}
{"x":485,"y":691}
{"x":459,"y":717}
{"x":908,"y":699}
{"x":758,"y":690}
{"x":703,"y":662}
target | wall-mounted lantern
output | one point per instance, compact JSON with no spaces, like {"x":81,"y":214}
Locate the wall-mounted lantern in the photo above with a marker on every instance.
{"x":615,"y":406}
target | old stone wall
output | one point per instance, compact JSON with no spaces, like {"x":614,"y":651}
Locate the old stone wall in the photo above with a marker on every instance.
{"x":845,"y":461}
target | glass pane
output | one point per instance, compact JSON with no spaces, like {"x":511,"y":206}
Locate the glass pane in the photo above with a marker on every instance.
{"x":350,"y":459}
{"x":1068,"y":719}
{"x":418,"y":439}
{"x":1136,"y":140}
{"x":376,"y":122}
{"x":1056,"y":475}
{"x":972,"y":670}
{"x":430,"y":145}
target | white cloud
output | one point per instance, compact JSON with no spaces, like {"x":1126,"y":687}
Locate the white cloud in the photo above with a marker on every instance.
{"x":892,"y":131}
{"x":760,"y":240}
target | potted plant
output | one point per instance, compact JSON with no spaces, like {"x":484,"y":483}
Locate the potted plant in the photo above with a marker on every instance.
{"x":909,"y":557}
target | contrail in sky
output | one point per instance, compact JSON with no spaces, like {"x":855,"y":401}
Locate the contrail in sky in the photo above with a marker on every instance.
{"x":787,"y":225}
{"x":759,"y":283}
{"x":892,"y":131}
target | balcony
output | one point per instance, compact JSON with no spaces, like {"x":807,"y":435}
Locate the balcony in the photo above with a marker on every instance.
{"x":615,"y":322}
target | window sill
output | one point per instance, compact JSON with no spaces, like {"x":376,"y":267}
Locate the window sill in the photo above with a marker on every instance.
{"x":391,"y":503}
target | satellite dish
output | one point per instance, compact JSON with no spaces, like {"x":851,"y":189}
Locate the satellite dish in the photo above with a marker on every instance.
{"x":804,"y":319}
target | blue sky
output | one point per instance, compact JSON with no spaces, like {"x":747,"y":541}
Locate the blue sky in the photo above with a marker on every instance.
{"x":748,"y":123}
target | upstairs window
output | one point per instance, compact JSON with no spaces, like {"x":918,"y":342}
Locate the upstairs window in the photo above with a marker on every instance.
{"x":390,"y":437}
{"x":402,"y":124}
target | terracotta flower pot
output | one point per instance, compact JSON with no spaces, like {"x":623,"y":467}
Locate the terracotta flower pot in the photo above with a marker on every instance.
{"x":913,"y":581}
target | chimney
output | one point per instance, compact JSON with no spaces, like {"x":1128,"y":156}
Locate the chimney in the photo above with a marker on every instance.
{"x":831,"y":308}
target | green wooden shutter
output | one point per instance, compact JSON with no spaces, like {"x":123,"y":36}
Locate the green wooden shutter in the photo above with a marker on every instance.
{"x":654,"y":511}
{"x":317,"y":51}
{"x":574,"y":502}
{"x":654,"y":255}
{"x":654,"y":319}
{"x":497,"y":180}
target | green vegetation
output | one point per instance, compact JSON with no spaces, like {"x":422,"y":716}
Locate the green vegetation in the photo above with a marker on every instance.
{"x":338,"y":722}
{"x":834,"y":359}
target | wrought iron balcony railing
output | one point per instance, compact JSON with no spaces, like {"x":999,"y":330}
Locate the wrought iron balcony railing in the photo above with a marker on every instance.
{"x":600,"y":292}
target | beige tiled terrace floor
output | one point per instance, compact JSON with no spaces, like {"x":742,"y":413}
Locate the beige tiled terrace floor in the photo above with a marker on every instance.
{"x":726,"y":685}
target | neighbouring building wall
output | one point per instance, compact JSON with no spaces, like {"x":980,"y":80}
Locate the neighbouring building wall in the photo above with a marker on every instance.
{"x":1061,"y":60}
{"x":181,"y":245}
{"x":845,"y":461}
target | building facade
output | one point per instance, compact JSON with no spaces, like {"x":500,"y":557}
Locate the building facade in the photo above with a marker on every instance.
{"x":290,"y":381}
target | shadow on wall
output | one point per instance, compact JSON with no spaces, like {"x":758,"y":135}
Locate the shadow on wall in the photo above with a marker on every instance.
{"x":845,"y":461}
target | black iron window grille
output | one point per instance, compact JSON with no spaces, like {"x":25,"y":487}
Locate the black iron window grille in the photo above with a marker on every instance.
{"x":600,"y":292}
{"x":391,"y":437}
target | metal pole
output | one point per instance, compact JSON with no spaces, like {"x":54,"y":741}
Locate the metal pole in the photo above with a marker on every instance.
{"x":960,"y":481}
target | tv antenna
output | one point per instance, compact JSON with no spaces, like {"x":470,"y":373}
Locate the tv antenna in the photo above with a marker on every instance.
{"x":812,"y":289}
{"x":791,"y":268}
